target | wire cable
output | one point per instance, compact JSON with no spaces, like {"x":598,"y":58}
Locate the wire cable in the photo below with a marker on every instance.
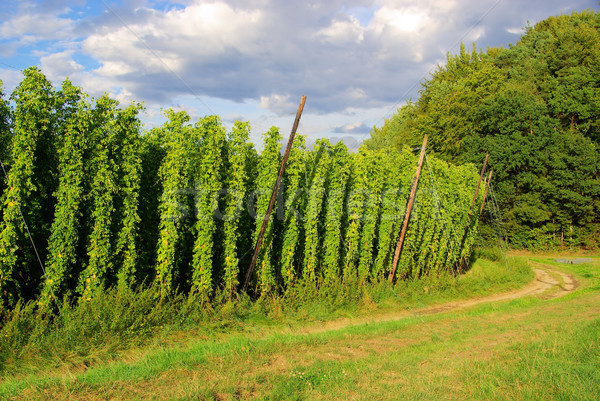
{"x":500,"y":229}
{"x":10,"y":66}
{"x":17,"y":203}
{"x":451,"y":248}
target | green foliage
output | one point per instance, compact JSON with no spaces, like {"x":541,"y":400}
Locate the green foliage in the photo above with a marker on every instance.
{"x":268,"y":168}
{"x":112,"y":249}
{"x":376,"y":163}
{"x":314,"y":210}
{"x":128,"y":219}
{"x":166,"y":209}
{"x":5,"y":144}
{"x":63,"y":255}
{"x":30,"y":186}
{"x":446,"y":109}
{"x":358,"y":196}
{"x":152,"y":153}
{"x":5,"y":133}
{"x":237,"y":180}
{"x":334,"y":218}
{"x":535,"y":108}
{"x":294,"y":204}
{"x":397,"y":131}
{"x":208,"y":180}
{"x":175,"y":177}
{"x":398,"y":175}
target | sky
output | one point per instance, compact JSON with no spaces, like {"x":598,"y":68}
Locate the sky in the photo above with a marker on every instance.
{"x":252,"y":60}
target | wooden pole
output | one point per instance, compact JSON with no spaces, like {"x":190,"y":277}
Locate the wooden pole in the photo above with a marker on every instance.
{"x":464,"y":237}
{"x":263,"y":228}
{"x":487,"y":187}
{"x":487,"y":156}
{"x":411,"y":199}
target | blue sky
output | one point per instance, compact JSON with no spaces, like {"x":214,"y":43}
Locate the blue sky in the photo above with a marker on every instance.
{"x":357,"y":60}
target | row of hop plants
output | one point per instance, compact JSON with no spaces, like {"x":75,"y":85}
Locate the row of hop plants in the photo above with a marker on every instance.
{"x":180,"y":207}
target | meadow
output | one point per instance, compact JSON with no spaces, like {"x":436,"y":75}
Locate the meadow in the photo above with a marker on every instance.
{"x":388,"y":344}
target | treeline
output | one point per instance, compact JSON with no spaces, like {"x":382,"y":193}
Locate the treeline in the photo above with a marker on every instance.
{"x":179,"y":207}
{"x":535,"y":107}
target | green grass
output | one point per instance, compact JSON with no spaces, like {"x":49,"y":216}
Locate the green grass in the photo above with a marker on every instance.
{"x":91,"y":333}
{"x":511,"y":350}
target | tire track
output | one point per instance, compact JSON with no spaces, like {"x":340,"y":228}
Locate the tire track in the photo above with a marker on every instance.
{"x":543,"y":285}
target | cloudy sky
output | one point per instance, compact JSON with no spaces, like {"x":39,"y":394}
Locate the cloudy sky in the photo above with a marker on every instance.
{"x":356,"y":60}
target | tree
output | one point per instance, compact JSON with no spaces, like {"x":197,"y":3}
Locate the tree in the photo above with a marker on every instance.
{"x":528,"y":106}
{"x":398,"y":131}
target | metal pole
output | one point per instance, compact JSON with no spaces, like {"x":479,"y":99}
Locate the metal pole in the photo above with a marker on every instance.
{"x":263,"y":228}
{"x":411,"y":199}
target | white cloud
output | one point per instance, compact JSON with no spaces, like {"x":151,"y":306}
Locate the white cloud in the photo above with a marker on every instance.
{"x":164,"y":42}
{"x":57,"y":66}
{"x":403,"y":20}
{"x":36,"y":27}
{"x":280,"y":104}
{"x":475,"y":34}
{"x":268,"y":50}
{"x":356,"y":93}
{"x":343,"y":31}
{"x":348,"y":56}
{"x":515,"y":31}
{"x":124,"y":96}
{"x":10,"y":79}
{"x":355,"y":127}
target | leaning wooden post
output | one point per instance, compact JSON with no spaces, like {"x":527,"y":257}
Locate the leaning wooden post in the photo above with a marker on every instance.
{"x":464,"y":237}
{"x":487,"y":187}
{"x":263,"y":228}
{"x":411,"y":199}
{"x":487,"y":156}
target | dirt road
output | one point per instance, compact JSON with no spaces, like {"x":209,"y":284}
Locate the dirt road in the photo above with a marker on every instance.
{"x":548,"y":283}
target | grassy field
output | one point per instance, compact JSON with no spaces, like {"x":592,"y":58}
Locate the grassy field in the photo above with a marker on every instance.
{"x":529,"y":348}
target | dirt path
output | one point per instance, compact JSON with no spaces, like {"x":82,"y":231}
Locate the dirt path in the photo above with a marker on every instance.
{"x":548,"y":283}
{"x":545,"y":285}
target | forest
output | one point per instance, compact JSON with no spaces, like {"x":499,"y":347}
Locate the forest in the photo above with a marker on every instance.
{"x":535,"y":108}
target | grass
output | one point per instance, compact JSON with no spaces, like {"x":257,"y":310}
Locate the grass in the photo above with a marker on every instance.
{"x":522,"y":349}
{"x":92,"y":333}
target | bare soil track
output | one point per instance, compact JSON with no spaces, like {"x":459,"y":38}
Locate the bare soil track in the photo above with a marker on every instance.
{"x":548,"y":283}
